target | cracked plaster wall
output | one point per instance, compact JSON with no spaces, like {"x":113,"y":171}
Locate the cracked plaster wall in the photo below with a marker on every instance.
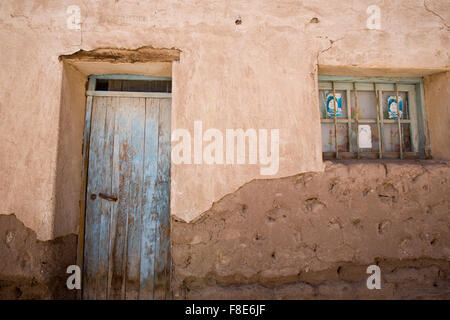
{"x":259,"y":74}
{"x":313,"y":235}
{"x":30,"y":268}
{"x":308,"y":235}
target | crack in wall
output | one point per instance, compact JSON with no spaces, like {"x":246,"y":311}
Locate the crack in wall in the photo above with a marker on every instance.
{"x":292,"y":243}
{"x":444,"y":22}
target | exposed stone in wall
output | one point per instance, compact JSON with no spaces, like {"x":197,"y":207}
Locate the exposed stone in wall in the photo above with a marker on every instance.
{"x":313,"y":235}
{"x":307,"y":236}
{"x":33,"y":269}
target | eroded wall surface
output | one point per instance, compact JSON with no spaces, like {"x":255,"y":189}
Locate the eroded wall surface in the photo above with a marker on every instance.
{"x":33,"y":269}
{"x":261,"y":73}
{"x":313,"y":235}
{"x":307,"y":236}
{"x":303,"y":232}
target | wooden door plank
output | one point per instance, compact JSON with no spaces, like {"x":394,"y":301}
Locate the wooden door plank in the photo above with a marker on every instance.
{"x":115,"y":183}
{"x":106,"y":206}
{"x":162,"y":254}
{"x":149,"y":209}
{"x":123,"y":172}
{"x":127,"y":248}
{"x":85,"y":153}
{"x":93,"y":206}
{"x":136,"y":109}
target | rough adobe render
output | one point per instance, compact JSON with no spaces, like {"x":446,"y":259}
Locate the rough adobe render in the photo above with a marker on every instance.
{"x":307,"y":232}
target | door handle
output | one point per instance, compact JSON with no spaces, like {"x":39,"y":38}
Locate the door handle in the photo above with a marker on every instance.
{"x":107,"y":197}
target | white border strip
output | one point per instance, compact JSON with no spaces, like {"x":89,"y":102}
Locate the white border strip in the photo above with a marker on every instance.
{"x":129,"y":94}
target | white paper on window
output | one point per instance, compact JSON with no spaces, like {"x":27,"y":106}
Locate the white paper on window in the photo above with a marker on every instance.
{"x":365,"y":136}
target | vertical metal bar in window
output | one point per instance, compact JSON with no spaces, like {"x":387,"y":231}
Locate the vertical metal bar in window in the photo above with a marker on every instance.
{"x":400,"y":138}
{"x":380,"y":152}
{"x":356,"y":117}
{"x":349,"y":120}
{"x":380,"y":95}
{"x":335,"y":121}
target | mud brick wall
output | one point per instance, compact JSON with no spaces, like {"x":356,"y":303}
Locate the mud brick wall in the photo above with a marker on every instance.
{"x":313,"y":235}
{"x":33,"y":269}
{"x":307,"y":236}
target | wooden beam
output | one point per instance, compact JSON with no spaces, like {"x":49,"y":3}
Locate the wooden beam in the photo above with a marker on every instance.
{"x":349,"y":119}
{"x":378,"y":121}
{"x":398,"y":122}
{"x":356,"y":116}
{"x":116,"y":55}
{"x":128,"y":77}
{"x":335,"y":123}
{"x":368,"y":79}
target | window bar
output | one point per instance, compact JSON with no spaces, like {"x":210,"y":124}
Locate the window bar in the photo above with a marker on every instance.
{"x":324,"y":96}
{"x":349,"y":121}
{"x":380,"y":95}
{"x":400,"y":138}
{"x":356,"y":117}
{"x":335,"y":121}
{"x":380,"y":152}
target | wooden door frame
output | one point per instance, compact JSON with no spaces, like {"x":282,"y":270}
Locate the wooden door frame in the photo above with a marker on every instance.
{"x":90,"y":94}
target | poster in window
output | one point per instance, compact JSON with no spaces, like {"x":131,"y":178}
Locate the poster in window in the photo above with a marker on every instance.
{"x":392,"y":107}
{"x":330,"y":105}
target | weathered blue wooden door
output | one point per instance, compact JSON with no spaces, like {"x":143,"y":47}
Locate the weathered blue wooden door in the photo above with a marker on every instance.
{"x":127,"y":228}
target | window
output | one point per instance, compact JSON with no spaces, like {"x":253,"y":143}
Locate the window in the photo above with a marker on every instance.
{"x":134,"y":84}
{"x":360,"y":118}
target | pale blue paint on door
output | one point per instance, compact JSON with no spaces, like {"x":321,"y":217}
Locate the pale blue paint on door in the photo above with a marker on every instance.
{"x":127,"y":245}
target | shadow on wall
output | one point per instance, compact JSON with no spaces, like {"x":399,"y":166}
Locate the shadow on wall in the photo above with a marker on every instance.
{"x":34,"y":269}
{"x":69,"y":156}
{"x":30,"y":268}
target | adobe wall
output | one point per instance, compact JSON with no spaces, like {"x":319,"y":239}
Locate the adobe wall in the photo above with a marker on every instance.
{"x":259,"y":74}
{"x":30,"y":268}
{"x":235,"y":233}
{"x":308,"y":236}
{"x":313,"y":235}
{"x":437,"y":95}
{"x":68,"y":178}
